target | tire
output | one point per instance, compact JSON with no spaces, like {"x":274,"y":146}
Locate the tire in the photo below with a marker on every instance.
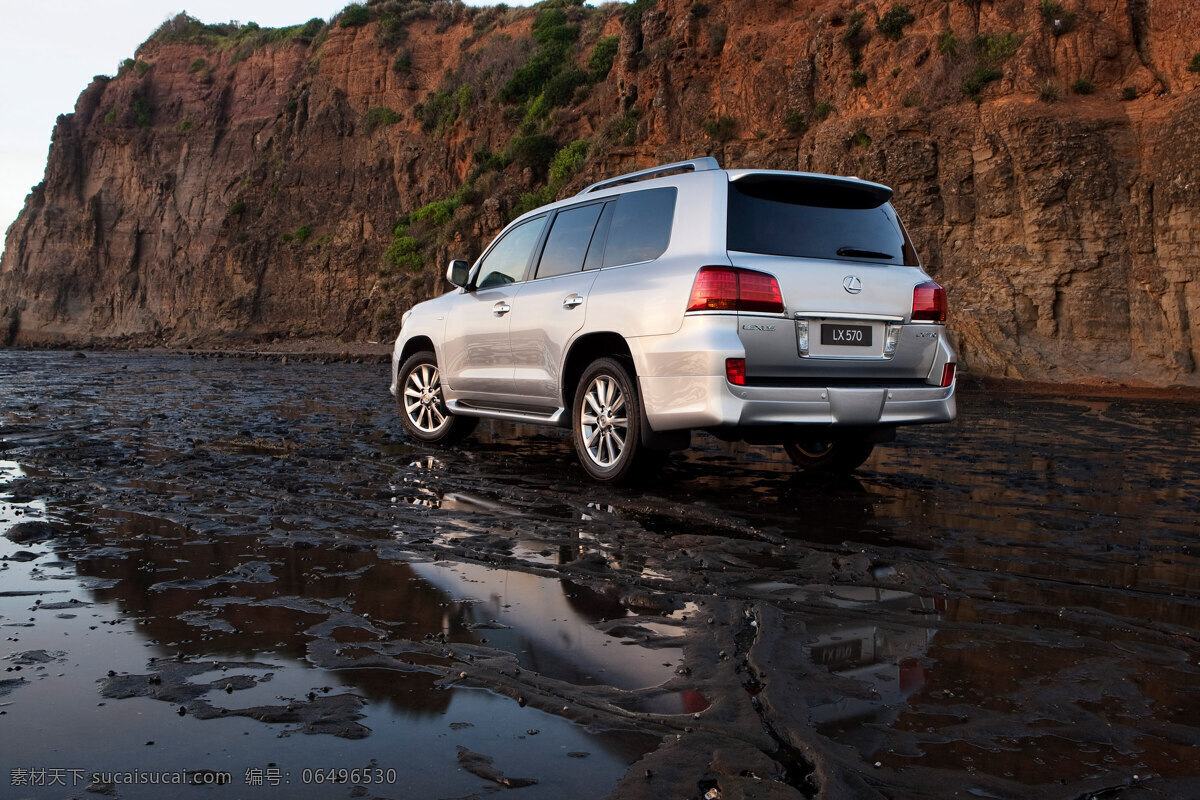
{"x":834,"y":458}
{"x":422,"y":409}
{"x":606,"y":423}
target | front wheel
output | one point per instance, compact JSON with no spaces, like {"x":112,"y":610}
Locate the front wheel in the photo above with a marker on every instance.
{"x":607,"y":422}
{"x":837,"y":458}
{"x":422,"y":408}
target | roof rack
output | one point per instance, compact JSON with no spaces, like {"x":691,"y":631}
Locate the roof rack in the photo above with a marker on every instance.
{"x":695,"y":165}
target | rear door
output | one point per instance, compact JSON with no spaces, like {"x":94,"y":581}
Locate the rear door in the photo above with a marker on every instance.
{"x":552,"y":307}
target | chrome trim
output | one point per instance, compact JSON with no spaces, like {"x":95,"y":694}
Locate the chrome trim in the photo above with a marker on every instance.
{"x":839,"y":315}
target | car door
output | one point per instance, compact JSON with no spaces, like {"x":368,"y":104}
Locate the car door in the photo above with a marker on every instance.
{"x":476,"y":357}
{"x":551,"y":308}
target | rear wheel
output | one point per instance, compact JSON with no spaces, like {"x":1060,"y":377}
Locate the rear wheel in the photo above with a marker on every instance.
{"x":607,"y":423}
{"x":422,"y":408}
{"x":837,"y":457}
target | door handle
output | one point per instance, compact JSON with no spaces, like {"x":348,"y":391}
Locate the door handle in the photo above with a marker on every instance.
{"x":501,"y":308}
{"x":572,"y":300}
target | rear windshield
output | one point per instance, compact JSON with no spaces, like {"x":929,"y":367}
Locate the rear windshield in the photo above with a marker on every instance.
{"x":815,"y":218}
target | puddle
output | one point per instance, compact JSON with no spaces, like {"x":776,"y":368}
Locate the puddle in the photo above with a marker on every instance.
{"x":135,"y":631}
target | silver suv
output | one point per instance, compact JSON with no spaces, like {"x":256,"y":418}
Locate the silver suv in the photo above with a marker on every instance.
{"x":772,"y":307}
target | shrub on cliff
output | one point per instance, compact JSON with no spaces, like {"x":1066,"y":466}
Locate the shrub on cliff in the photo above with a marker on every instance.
{"x":554,"y":37}
{"x":379,"y":117}
{"x":1058,"y":20}
{"x":353,"y":16}
{"x":893,"y":23}
{"x":600,"y":62}
{"x":721,"y":129}
{"x":1195,"y":65}
{"x":534,"y":151}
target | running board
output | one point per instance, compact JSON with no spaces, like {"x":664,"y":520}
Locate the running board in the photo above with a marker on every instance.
{"x":557,"y":418}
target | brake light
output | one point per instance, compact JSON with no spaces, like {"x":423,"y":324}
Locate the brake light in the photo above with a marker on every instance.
{"x":735,"y":371}
{"x":735,"y":289}
{"x":929,"y":302}
{"x":947,"y":375}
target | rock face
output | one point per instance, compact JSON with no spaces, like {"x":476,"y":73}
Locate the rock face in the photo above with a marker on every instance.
{"x":248,"y":184}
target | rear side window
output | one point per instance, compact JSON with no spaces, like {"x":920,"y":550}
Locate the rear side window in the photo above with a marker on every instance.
{"x":568,"y":241}
{"x":785,"y":216}
{"x":641,"y":226}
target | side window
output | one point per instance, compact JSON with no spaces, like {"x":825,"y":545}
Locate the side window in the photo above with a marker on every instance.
{"x":568,"y":241}
{"x":641,"y":226}
{"x":506,"y":262}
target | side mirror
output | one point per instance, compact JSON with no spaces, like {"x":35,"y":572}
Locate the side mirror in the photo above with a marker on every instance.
{"x":458,"y":272}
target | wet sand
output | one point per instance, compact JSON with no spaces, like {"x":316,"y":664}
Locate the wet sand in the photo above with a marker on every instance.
{"x":241,"y":567}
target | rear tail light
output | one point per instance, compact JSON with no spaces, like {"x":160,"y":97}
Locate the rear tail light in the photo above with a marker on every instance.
{"x":735,"y":289}
{"x":735,"y":371}
{"x":929,"y":302}
{"x":947,"y":375}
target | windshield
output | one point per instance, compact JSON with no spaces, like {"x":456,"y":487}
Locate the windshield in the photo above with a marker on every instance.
{"x":816,"y":218}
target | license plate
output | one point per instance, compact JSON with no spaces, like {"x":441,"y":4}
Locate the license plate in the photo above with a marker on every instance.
{"x":850,"y":335}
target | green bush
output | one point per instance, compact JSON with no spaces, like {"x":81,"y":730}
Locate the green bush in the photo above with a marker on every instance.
{"x":600,"y":62}
{"x":980,"y":77}
{"x":236,"y":208}
{"x":379,"y":117}
{"x":947,"y":43}
{"x":403,"y":63}
{"x":392,"y":32}
{"x":534,"y":151}
{"x":858,"y":79}
{"x":699,"y":10}
{"x":1082,"y":87}
{"x":404,"y":253}
{"x":634,"y":11}
{"x":795,"y":123}
{"x":567,"y":162}
{"x":354,"y":15}
{"x":893,"y":23}
{"x":110,"y":117}
{"x":856,"y":37}
{"x":197,"y":65}
{"x":439,"y":212}
{"x":822,"y":110}
{"x":141,"y":68}
{"x":721,"y":129}
{"x":561,"y":88}
{"x":860,"y":138}
{"x":998,"y":47}
{"x":991,"y":50}
{"x":184,"y":126}
{"x":441,"y":110}
{"x":1049,"y":92}
{"x":142,"y":111}
{"x":1058,"y":20}
{"x":623,"y":129}
{"x":1129,"y":93}
{"x":1195,"y":65}
{"x":302,"y":233}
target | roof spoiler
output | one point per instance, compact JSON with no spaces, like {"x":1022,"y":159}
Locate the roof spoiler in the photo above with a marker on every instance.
{"x":695,"y":165}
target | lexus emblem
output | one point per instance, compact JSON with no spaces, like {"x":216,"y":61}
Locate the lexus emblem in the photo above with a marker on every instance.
{"x":852,"y":284}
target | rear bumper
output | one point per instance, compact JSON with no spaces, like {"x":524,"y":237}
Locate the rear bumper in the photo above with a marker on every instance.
{"x":683,"y":386}
{"x":710,"y":402}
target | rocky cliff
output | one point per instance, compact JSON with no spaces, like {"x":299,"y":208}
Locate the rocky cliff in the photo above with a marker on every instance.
{"x":236,"y":182}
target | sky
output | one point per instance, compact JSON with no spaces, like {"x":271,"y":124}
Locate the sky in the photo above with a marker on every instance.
{"x":51,"y":49}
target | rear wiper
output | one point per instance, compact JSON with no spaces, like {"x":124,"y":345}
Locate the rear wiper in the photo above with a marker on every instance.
{"x":856,"y":253}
